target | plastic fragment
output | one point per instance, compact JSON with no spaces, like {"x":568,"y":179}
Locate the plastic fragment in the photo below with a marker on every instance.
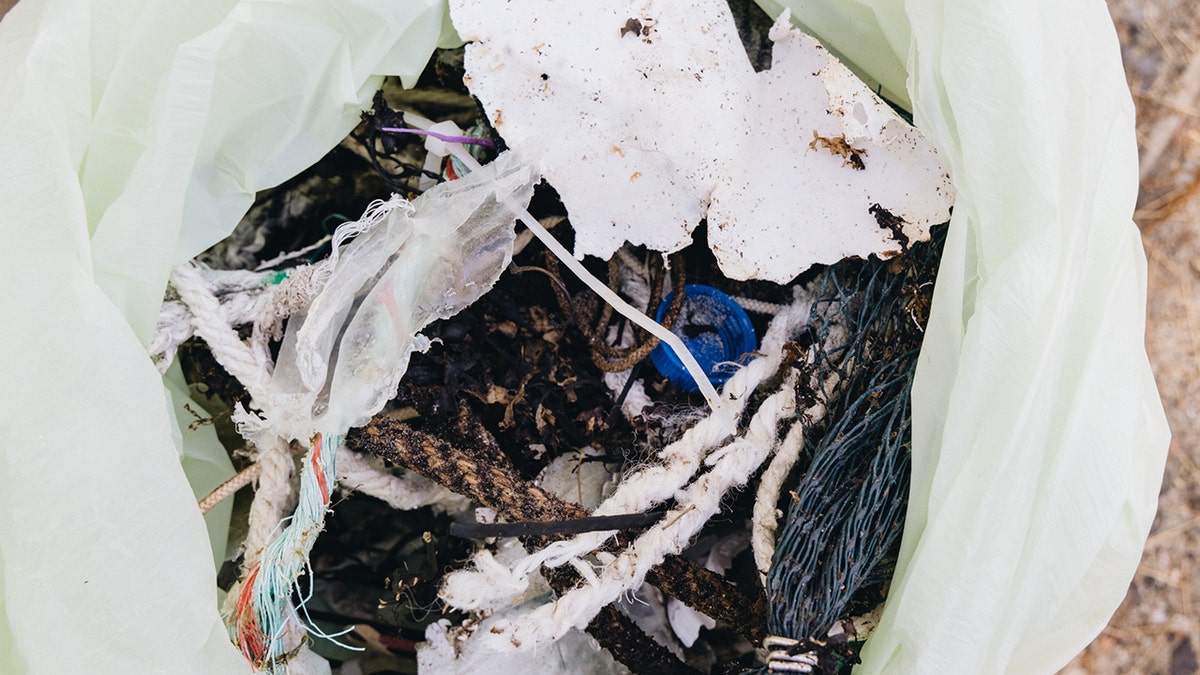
{"x":714,"y":328}
{"x":409,"y":264}
{"x":649,"y":126}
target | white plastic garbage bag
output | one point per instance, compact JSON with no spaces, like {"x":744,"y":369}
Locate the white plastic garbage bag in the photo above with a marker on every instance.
{"x":1039,"y":438}
{"x":133,"y":135}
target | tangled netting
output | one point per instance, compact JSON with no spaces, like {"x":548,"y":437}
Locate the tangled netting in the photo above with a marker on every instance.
{"x":847,"y":509}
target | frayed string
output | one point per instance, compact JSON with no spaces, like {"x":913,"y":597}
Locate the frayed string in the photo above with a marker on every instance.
{"x":244,"y":624}
{"x":263,"y":611}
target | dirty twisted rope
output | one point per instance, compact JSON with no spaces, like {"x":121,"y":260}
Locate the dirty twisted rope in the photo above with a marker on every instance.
{"x":476,"y":466}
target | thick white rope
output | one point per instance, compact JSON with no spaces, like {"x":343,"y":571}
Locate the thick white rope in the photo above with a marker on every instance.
{"x":406,"y":492}
{"x":250,"y":366}
{"x":766,"y":516}
{"x":731,"y":467}
{"x":274,"y":498}
{"x":257,"y":301}
{"x":639,"y":491}
{"x":173,"y":328}
{"x":766,"y":512}
{"x":274,"y":495}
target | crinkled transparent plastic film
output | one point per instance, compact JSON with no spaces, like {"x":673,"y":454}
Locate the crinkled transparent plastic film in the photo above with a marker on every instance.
{"x":442,"y":253}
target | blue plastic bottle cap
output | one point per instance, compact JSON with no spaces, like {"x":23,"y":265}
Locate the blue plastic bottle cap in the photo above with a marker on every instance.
{"x":713,"y":327}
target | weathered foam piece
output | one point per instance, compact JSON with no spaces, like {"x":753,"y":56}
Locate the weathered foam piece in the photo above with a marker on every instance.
{"x":647,"y":118}
{"x":824,"y":171}
{"x":613,"y":99}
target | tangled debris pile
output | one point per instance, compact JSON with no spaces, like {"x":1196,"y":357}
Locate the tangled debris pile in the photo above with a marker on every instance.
{"x":1032,"y":395}
{"x":436,"y":353}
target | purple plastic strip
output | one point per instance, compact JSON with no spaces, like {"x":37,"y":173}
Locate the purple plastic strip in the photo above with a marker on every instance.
{"x":466,"y":140}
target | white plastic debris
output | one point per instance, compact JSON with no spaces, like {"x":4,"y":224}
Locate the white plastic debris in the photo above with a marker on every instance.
{"x":450,"y":649}
{"x":647,"y":118}
{"x":687,"y":622}
{"x":578,"y":478}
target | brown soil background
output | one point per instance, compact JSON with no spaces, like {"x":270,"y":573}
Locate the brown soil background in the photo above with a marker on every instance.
{"x":1156,"y":631}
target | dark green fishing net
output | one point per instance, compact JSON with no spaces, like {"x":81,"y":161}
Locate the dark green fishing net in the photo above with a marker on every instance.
{"x":835,"y":548}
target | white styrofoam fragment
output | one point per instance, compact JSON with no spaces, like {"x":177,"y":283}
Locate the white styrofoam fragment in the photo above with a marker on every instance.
{"x":792,"y":200}
{"x":647,"y":117}
{"x":614,"y":120}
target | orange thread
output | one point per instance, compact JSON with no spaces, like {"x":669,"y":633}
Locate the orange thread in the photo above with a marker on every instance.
{"x":316,"y":463}
{"x":251,"y":639}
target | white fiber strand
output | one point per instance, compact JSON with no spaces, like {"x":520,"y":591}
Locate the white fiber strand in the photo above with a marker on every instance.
{"x":252,"y":368}
{"x":648,"y":487}
{"x":173,"y":328}
{"x":403,"y":493}
{"x":731,"y":467}
{"x":274,"y":497}
{"x":766,"y":518}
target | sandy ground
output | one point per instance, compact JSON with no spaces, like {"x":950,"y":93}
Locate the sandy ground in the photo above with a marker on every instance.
{"x":1156,"y":630}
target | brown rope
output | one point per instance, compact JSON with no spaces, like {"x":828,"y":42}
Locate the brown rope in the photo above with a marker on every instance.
{"x":229,"y":487}
{"x":484,"y":474}
{"x":475,"y":465}
{"x":583,"y":310}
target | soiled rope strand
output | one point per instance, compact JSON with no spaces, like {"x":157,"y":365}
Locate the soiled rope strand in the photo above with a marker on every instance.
{"x":229,"y":487}
{"x":482,"y":472}
{"x":766,"y":516}
{"x":731,"y":466}
{"x":639,"y":491}
{"x":542,"y":528}
{"x":212,"y":324}
{"x":655,"y":484}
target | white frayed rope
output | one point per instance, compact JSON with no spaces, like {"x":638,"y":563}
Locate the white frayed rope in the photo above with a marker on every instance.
{"x":653,"y":485}
{"x":404,"y":492}
{"x":730,"y":467}
{"x":258,"y":299}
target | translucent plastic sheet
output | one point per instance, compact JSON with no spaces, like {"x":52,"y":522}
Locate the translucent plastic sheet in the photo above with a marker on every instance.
{"x":414,"y":263}
{"x":134,"y":134}
{"x":1039,"y":438}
